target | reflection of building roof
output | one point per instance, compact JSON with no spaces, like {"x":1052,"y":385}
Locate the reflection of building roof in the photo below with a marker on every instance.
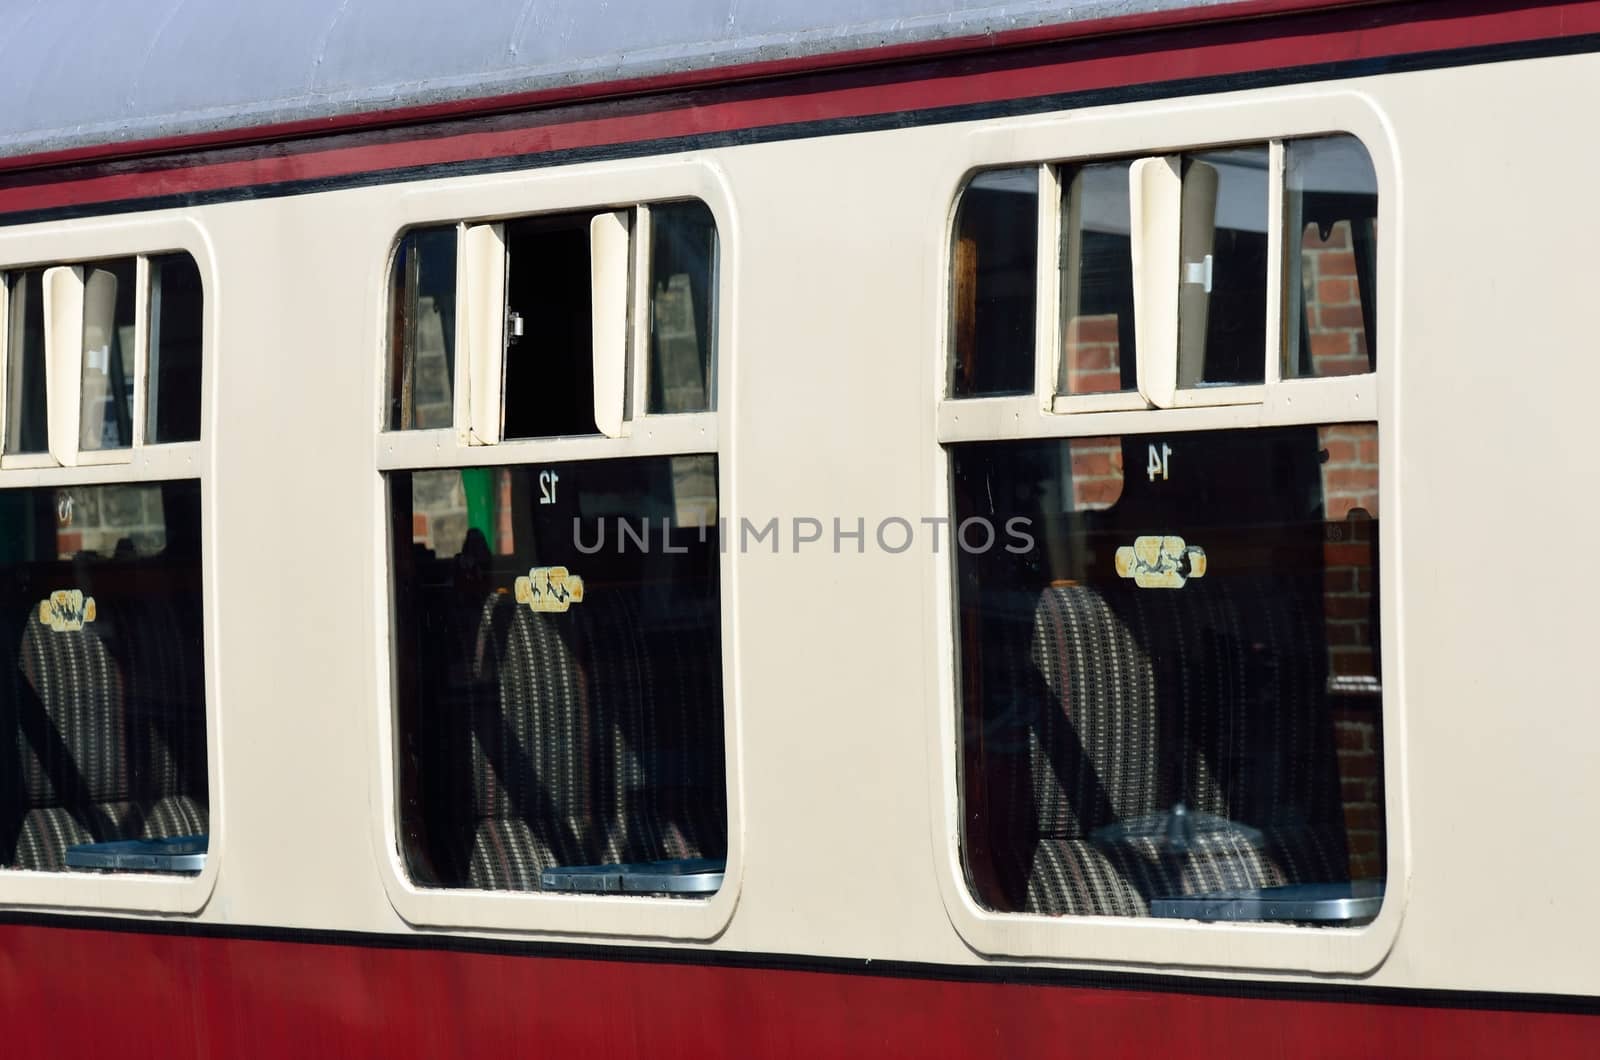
{"x":75,"y":73}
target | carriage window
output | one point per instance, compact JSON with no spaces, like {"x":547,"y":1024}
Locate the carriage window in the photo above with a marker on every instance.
{"x":176,"y":324}
{"x":102,"y":709}
{"x":423,"y":330}
{"x":26,"y":427}
{"x":683,"y":260}
{"x":1222,"y":293}
{"x":1171,"y":685}
{"x":559,"y":684}
{"x":993,"y":287}
{"x":105,"y":417}
{"x":1097,"y":327}
{"x":1211,"y":252}
{"x":1332,"y":200}
{"x":100,"y":329}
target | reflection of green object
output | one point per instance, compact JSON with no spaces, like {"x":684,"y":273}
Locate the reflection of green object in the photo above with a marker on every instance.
{"x":478,"y":484}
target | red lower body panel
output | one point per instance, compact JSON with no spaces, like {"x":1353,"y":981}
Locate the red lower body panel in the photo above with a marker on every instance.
{"x":85,"y":992}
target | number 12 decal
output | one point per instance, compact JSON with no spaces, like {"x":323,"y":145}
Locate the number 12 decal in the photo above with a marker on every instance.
{"x":547,"y":486}
{"x":1158,"y":461}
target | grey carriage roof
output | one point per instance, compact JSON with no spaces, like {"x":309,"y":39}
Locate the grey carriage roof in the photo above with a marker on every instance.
{"x":75,"y":73}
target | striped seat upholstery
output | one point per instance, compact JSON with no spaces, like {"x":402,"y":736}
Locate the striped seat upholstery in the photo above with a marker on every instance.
{"x":105,"y":730}
{"x":567,"y":739}
{"x":1124,"y":703}
{"x":665,"y":793}
{"x":507,"y":735}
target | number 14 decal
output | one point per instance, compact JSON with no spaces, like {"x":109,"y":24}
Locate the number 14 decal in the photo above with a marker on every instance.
{"x":1158,"y":461}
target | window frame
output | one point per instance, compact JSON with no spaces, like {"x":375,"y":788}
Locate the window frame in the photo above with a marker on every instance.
{"x":1149,"y":130}
{"x":85,"y":242}
{"x":594,"y":188}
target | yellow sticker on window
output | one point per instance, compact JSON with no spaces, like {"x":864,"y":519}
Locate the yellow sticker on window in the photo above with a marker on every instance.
{"x":552,"y":589}
{"x":66,"y":610}
{"x":1160,"y":562}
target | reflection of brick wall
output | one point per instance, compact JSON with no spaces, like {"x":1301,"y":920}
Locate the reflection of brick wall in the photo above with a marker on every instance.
{"x":1096,"y":473}
{"x":1092,"y":355}
{"x":1334,"y":324}
{"x":1350,"y":491}
{"x":1358,"y":737}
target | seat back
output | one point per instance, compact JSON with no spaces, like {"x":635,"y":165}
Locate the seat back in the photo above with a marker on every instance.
{"x":104,"y":731}
{"x":574,"y":738}
{"x":1131,"y":702}
{"x":505,"y":734}
{"x":665,"y":792}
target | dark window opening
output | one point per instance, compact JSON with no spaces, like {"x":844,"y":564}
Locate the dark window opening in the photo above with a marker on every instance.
{"x":549,"y":367}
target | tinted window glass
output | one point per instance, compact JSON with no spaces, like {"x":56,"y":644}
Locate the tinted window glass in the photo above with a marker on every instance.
{"x":558,"y":669}
{"x":176,"y":332}
{"x":1222,"y":293}
{"x":105,"y":418}
{"x":683,"y":276}
{"x":1171,"y":684}
{"x":1097,"y":324}
{"x":423,"y":330}
{"x":1332,"y":199}
{"x":26,"y":424}
{"x":994,"y":284}
{"x":102,"y":709}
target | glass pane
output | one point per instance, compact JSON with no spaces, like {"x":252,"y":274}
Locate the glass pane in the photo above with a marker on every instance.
{"x":683,"y":278}
{"x":1170,"y":676}
{"x":1332,"y":198}
{"x":549,"y":373}
{"x":176,"y":325}
{"x":1222,"y":292}
{"x":1097,"y":351}
{"x":105,"y":419}
{"x":994,"y":283}
{"x":423,"y":331}
{"x":558,"y":669}
{"x":27,"y":424}
{"x":102,"y":711}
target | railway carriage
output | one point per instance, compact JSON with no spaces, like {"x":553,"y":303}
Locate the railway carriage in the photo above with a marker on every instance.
{"x":911,"y":530}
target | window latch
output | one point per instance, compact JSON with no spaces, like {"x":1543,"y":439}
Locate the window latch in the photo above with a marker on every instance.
{"x":1198,"y":272}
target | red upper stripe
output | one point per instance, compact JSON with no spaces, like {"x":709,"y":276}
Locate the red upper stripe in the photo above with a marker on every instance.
{"x":1081,"y":65}
{"x":1240,"y":9}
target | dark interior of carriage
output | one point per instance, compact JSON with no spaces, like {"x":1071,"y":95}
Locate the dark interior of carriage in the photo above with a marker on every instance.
{"x":102,"y":709}
{"x":1134,"y":736}
{"x":541,"y":725}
